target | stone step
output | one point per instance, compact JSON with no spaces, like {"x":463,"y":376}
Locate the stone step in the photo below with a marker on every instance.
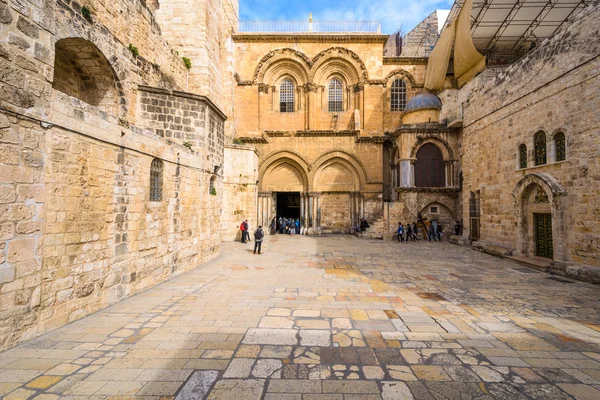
{"x":537,"y":263}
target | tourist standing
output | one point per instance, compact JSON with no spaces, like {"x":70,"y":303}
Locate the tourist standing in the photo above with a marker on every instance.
{"x":243,"y":230}
{"x":400,"y":232}
{"x":258,"y":238}
{"x":298,"y":226}
{"x":409,"y":234}
{"x":247,"y":230}
{"x":439,"y":232}
{"x":431,"y":233}
{"x":457,"y":228}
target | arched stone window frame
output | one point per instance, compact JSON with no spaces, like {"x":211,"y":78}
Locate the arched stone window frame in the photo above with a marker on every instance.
{"x":522,"y":156}
{"x":540,"y":150}
{"x":212,"y":185}
{"x":156,"y":180}
{"x":398,"y":95}
{"x":287,"y":95}
{"x":447,"y":154}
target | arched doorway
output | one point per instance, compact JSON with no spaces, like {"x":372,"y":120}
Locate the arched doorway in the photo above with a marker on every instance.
{"x":541,"y":217}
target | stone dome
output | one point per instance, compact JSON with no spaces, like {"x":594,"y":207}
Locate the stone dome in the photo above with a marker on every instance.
{"x":423,"y":101}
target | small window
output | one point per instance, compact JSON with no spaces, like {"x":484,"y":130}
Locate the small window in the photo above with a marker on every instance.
{"x":560,"y":146}
{"x":335,"y":96}
{"x":286,"y":96}
{"x":522,"y":156}
{"x":539,"y":141}
{"x":156,"y":180}
{"x":433,"y":210}
{"x":398,"y":95}
{"x":211,"y":186}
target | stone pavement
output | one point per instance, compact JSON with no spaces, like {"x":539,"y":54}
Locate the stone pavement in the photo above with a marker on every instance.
{"x":328,"y":318}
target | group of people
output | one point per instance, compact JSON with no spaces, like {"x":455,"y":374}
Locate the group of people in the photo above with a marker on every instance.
{"x":361,"y":226}
{"x":434,"y":231}
{"x":258,"y":235}
{"x":408,"y":233}
{"x":288,"y":226}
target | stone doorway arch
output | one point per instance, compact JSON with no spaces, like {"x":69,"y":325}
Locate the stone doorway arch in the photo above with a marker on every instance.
{"x":540,"y":193}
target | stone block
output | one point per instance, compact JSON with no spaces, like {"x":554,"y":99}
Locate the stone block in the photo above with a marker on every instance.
{"x":7,"y":273}
{"x":22,"y":249}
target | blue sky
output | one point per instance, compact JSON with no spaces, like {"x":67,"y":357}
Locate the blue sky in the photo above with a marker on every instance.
{"x":391,"y":13}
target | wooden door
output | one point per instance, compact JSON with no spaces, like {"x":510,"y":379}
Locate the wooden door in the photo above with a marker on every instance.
{"x":543,"y":235}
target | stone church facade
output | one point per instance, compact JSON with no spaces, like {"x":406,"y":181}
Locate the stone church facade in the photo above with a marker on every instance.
{"x":121,"y":166}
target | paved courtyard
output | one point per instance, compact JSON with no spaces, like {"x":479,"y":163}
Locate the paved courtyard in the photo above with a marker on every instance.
{"x":328,"y":318}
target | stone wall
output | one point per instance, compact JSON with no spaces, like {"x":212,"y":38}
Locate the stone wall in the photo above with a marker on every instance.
{"x":552,"y":89}
{"x":240,"y":176}
{"x":78,"y":231}
{"x":201,"y":30}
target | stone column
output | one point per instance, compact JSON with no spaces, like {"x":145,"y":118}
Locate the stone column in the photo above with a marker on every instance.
{"x":362,"y":205}
{"x":352,"y":216}
{"x":302,"y":213}
{"x":318,"y":212}
{"x":449,"y":169}
{"x":407,"y":173}
{"x":259,"y":210}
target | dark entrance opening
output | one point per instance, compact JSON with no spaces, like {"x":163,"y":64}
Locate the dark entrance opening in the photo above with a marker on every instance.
{"x":543,"y":235}
{"x":288,"y":205}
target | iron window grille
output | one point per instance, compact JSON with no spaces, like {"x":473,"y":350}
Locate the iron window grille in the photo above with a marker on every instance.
{"x":286,"y":96}
{"x":559,"y":144}
{"x":398,"y":99}
{"x":539,"y":141}
{"x":522,"y":156}
{"x":335,"y":96}
{"x":156,"y":180}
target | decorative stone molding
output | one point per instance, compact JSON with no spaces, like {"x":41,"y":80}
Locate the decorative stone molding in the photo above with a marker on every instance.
{"x":252,"y":139}
{"x":344,"y":51}
{"x":310,"y":87}
{"x":405,"y":60}
{"x":296,"y":54}
{"x":402,"y":74}
{"x":372,"y":139}
{"x":240,"y":81}
{"x":325,"y":133}
{"x":263,"y":88}
{"x":359,"y":87}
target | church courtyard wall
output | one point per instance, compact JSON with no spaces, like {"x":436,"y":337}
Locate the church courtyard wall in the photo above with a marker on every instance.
{"x":85,"y":122}
{"x":553,"y":90}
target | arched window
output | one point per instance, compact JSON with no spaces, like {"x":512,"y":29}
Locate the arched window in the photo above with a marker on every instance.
{"x":539,"y":141}
{"x":522,"y":156}
{"x":335,"y":96}
{"x":398,"y":99}
{"x":156,"y":180}
{"x":286,"y":96}
{"x":429,"y":168}
{"x":560,"y":146}
{"x":211,"y":186}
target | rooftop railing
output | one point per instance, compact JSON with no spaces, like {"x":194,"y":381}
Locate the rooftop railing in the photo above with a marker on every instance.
{"x":309,"y":27}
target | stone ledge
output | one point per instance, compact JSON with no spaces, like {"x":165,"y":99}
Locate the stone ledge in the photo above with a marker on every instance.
{"x":491,"y":248}
{"x":459,"y":240}
{"x":585,"y":273}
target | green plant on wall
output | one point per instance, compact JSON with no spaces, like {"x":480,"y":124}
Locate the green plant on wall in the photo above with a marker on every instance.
{"x":87,"y":14}
{"x":134,"y":50}
{"x":188,"y":145}
{"x":187,"y":62}
{"x":213,"y":191}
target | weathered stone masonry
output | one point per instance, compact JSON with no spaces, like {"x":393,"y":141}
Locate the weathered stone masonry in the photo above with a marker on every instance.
{"x":78,"y":132}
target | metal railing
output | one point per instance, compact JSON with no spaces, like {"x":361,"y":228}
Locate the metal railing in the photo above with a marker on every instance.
{"x":308,"y":27}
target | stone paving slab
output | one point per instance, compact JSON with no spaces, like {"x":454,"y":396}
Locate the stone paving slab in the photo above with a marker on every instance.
{"x":328,"y":318}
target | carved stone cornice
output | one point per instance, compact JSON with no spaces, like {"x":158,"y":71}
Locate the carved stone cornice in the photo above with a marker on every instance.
{"x":252,"y":139}
{"x":451,"y":192}
{"x":310,"y":37}
{"x":325,"y":133}
{"x":359,"y":87}
{"x":372,"y":139}
{"x":405,"y":60}
{"x":426,"y":129}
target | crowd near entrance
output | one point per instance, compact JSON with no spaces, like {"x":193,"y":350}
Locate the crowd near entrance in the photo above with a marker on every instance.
{"x":288,"y":204}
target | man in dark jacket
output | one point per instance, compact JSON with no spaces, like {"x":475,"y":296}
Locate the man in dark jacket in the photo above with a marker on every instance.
{"x":246,"y":227}
{"x":258,"y":238}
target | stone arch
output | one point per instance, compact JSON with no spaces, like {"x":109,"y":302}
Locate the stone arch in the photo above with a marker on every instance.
{"x":445,"y":215}
{"x":341,"y":60}
{"x":555,"y":193}
{"x":400,"y":73}
{"x":344,"y":161}
{"x":81,"y":70}
{"x":279,"y":61}
{"x":442,"y":144}
{"x":283,"y":164}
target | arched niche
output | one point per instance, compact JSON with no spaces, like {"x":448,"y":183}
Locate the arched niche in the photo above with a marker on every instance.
{"x":336,"y":176}
{"x":81,"y":70}
{"x":344,"y":163}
